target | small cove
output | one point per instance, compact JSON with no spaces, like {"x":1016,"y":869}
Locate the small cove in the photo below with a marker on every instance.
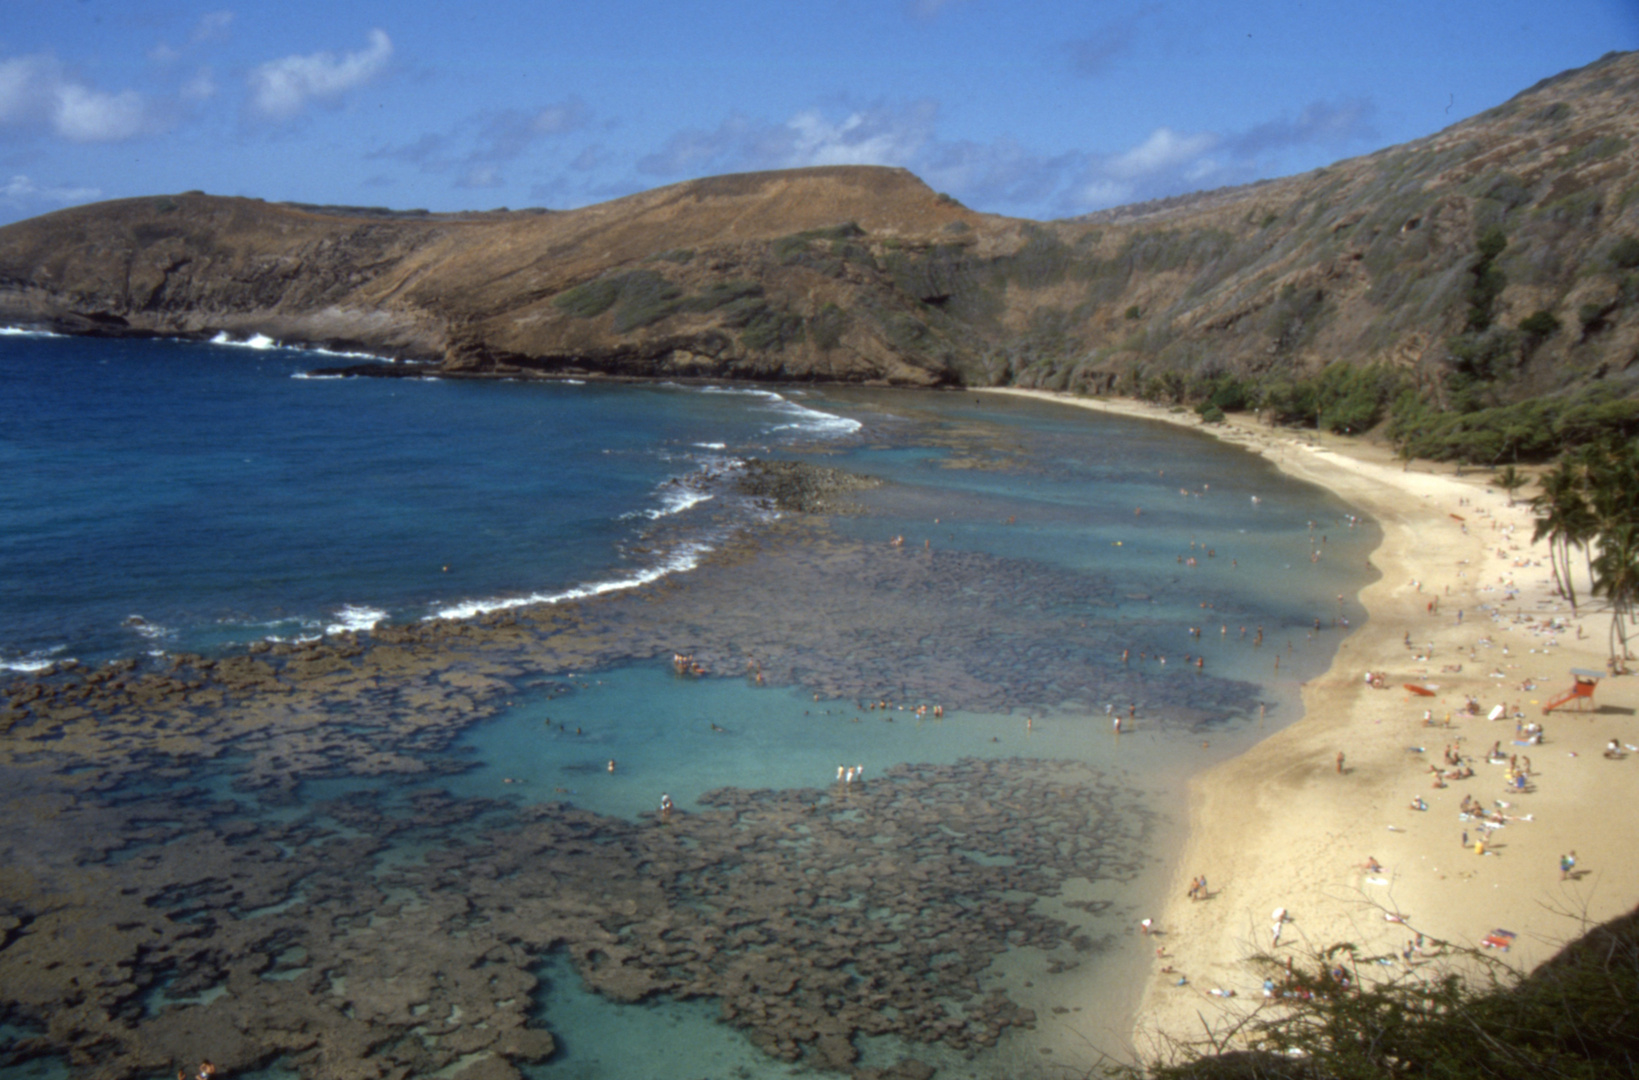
{"x":1010,"y":611}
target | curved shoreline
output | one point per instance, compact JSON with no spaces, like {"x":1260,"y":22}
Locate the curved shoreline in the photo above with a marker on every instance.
{"x":1281,"y":827}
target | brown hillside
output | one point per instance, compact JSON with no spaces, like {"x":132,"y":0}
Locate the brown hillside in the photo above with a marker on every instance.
{"x":1492,"y":262}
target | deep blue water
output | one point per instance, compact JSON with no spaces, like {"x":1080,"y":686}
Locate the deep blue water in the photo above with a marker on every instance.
{"x":164,"y":495}
{"x":161,"y":496}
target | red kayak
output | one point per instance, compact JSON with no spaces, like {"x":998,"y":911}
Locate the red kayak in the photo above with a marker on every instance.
{"x":1421,"y":691}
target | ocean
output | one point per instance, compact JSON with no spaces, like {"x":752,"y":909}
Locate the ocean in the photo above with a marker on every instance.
{"x":413,"y":700}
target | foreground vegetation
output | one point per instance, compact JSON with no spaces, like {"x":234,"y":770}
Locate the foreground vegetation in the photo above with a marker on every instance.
{"x":1349,"y":1016}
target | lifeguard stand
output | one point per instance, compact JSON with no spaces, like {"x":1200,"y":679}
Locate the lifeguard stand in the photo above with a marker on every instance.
{"x":1579,"y":696}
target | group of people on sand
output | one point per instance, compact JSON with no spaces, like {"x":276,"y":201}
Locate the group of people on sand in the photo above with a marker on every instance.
{"x":1455,"y":767}
{"x":849,"y":774}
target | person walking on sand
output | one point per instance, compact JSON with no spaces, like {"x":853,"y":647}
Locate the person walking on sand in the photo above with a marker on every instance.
{"x":1567,"y":863}
{"x":1340,"y":763}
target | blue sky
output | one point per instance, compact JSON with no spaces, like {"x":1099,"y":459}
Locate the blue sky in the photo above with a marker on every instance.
{"x":1038,"y":110}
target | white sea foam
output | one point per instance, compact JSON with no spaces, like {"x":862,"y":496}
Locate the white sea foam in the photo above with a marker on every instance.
{"x":810,"y":421}
{"x":355,"y":617}
{"x":260,"y":342}
{"x":38,"y":660}
{"x":317,"y":350}
{"x":816,"y":421}
{"x":684,"y":559}
{"x":18,"y":331}
{"x":675,"y":502}
{"x":712,"y":445}
{"x":315,"y":378}
{"x":151,"y":631}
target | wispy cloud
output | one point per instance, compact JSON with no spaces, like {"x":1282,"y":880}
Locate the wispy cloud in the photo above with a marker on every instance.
{"x":212,"y":26}
{"x":1168,"y":162}
{"x":1003,"y":174}
{"x":281,"y":89}
{"x":506,"y":134}
{"x":482,"y":145}
{"x":874,"y":135}
{"x":21,"y":191}
{"x":208,"y":29}
{"x":37,"y":91}
{"x":1320,"y":122}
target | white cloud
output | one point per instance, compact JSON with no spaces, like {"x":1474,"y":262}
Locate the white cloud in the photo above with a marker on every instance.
{"x":1001,"y":174}
{"x":35,"y":91}
{"x":201,"y":87}
{"x":20,"y":191}
{"x":1163,"y":151}
{"x":212,"y":26}
{"x":481,"y":176}
{"x":280,"y":89}
{"x":869,"y":137}
{"x":88,"y":116}
{"x":878,"y":135}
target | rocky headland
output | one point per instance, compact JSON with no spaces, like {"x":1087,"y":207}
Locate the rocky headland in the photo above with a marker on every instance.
{"x":1501,"y":252}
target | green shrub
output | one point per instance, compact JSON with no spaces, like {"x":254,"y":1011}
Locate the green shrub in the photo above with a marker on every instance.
{"x":771,"y":329}
{"x":1488,"y":279}
{"x":639,"y":297}
{"x":1225,"y":391}
{"x":788,"y":249}
{"x":719,"y":294}
{"x":591,"y":298}
{"x":1534,"y":430}
{"x":902,"y":331}
{"x":1624,"y":254}
{"x":826,"y":327}
{"x":645,"y":297}
{"x":1592,"y":316}
{"x":1210,"y":413}
{"x":1540,"y":324}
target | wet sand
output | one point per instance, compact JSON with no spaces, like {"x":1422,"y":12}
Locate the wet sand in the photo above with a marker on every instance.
{"x":1283,"y":826}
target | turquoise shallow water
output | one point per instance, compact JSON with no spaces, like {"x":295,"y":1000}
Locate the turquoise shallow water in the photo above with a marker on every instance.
{"x":208,"y":491}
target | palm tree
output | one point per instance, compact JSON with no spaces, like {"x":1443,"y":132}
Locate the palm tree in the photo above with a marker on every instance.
{"x":1509,"y":479}
{"x":1616,"y":577}
{"x":1562,"y":516}
{"x":1610,"y":480}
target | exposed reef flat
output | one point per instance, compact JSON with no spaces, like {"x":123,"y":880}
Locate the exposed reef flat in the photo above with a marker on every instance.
{"x":801,"y":487}
{"x":184,"y":898}
{"x":812,"y":916}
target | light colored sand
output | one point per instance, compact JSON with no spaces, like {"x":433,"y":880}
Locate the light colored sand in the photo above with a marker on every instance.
{"x":1280,"y":827}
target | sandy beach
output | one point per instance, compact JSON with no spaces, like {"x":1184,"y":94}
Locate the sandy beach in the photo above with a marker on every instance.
{"x":1296,"y":822}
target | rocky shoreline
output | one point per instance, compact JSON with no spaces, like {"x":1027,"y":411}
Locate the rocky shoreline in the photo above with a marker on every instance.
{"x":801,"y":487}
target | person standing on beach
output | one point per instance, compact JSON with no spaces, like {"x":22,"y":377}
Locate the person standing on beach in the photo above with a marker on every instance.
{"x":1340,"y":763}
{"x":1567,"y":863}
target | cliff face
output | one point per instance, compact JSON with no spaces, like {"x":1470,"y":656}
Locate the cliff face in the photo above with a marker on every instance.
{"x":1503,"y":251}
